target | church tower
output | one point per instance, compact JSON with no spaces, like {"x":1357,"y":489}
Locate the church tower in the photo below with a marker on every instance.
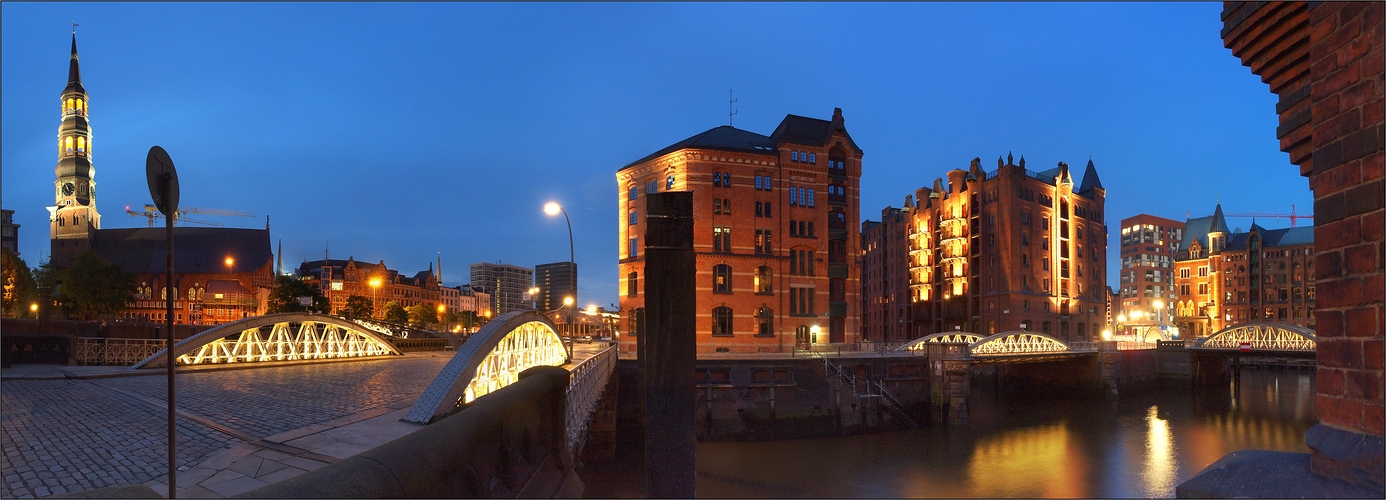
{"x":73,"y":220}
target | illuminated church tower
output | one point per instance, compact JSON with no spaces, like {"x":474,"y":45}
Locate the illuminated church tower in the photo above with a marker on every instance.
{"x":73,"y":220}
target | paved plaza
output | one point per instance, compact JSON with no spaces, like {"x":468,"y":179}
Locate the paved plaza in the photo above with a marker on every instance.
{"x":237,"y":429}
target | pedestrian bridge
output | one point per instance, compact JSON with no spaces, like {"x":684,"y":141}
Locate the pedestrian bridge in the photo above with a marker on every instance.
{"x":1017,"y":346}
{"x":1260,"y":338}
{"x":278,"y":337}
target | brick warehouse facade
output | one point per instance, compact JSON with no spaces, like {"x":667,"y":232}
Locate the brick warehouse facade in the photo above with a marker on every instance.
{"x":998,"y":251}
{"x":885,"y":283}
{"x":1225,"y":278}
{"x":771,"y":233}
{"x":1324,"y":61}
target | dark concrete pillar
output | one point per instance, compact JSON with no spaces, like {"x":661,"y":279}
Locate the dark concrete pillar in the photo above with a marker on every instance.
{"x":957,"y":369}
{"x":669,"y":345}
{"x":1107,"y":354}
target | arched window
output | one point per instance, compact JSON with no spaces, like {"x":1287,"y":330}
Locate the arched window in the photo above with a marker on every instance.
{"x":1063,"y":208}
{"x":1063,"y":330}
{"x":763,"y":280}
{"x":721,"y":320}
{"x":1045,"y":328}
{"x":81,"y":144}
{"x":669,"y":183}
{"x":71,"y":107}
{"x":801,"y":334}
{"x":721,"y":278}
{"x":81,"y":107}
{"x":1082,"y":332}
{"x":1025,"y":325}
{"x":69,"y":144}
{"x":765,"y":321}
{"x":632,"y":284}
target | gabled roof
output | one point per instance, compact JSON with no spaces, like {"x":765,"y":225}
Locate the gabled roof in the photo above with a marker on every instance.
{"x":795,"y":129}
{"x":723,"y":138}
{"x":311,"y":266}
{"x":196,"y":250}
{"x":1090,"y":179}
{"x":1195,"y":230}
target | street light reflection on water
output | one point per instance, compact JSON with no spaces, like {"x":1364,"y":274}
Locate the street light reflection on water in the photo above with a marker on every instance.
{"x":1140,"y":446}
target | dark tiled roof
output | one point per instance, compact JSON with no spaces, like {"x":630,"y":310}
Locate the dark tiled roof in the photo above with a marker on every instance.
{"x":312,"y":266}
{"x":724,"y":138}
{"x":1090,"y":179}
{"x":1198,"y":229}
{"x":1271,"y":238}
{"x":795,"y":129}
{"x":225,"y":287}
{"x":195,"y":249}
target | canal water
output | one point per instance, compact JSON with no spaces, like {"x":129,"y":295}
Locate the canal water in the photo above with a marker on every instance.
{"x":1140,"y":445}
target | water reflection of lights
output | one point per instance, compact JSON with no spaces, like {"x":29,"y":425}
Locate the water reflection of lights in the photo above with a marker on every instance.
{"x":1161,"y":467}
{"x":1029,"y":462}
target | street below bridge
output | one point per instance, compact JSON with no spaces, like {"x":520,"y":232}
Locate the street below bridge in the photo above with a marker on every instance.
{"x":74,"y":428}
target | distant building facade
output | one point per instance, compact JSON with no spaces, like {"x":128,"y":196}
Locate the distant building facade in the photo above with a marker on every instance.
{"x":1148,"y":246}
{"x":340,"y":279}
{"x":507,"y":285}
{"x":777,"y":261}
{"x":1225,"y":278}
{"x":1010,"y":249}
{"x":885,"y":280}
{"x":555,"y":281}
{"x":9,"y":231}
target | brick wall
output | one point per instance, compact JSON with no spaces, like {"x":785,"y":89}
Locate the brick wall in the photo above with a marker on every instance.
{"x":1345,"y":59}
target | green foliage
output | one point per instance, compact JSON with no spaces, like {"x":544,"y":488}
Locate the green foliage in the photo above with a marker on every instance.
{"x":394,"y":312}
{"x":469,"y":319}
{"x":93,"y":288}
{"x":287,"y":290}
{"x":359,"y":306}
{"x":422,"y":314}
{"x":20,"y":290}
{"x":449,"y":318}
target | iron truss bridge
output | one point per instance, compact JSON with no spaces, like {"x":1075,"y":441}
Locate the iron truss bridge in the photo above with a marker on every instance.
{"x":1260,"y":338}
{"x":277,"y":337}
{"x":1017,"y":346}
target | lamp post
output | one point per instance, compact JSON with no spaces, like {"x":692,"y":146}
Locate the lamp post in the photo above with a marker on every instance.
{"x":534,"y":297}
{"x":33,"y":308}
{"x":552,"y":209}
{"x":568,"y":303}
{"x":375,"y":297}
{"x":442,"y":309}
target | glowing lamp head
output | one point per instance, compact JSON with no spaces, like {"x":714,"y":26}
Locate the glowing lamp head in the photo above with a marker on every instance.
{"x":1159,"y":304}
{"x":230,"y":261}
{"x":552,"y":208}
{"x":568,"y":301}
{"x":1121,"y":318}
{"x":33,"y":307}
{"x":375,"y":282}
{"x":441,"y":308}
{"x":488,"y":313}
{"x":1107,"y":334}
{"x":814,"y":329}
{"x":592,"y":309}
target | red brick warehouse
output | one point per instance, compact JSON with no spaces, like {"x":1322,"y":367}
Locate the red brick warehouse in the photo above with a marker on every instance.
{"x":771,"y":233}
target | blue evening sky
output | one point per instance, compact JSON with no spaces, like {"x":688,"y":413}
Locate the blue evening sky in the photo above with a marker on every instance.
{"x":398,"y":131}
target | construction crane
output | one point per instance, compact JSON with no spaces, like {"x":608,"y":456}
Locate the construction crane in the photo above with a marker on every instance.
{"x":1292,"y":215}
{"x":152,"y":213}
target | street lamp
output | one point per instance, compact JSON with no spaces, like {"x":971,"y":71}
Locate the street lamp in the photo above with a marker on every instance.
{"x":534,"y":297}
{"x":441,"y":310}
{"x":553,"y":208}
{"x":375,"y":297}
{"x":33,"y":308}
{"x":568,"y":302}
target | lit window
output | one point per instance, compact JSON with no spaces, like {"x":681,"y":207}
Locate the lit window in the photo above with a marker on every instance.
{"x":721,"y":278}
{"x":721,"y":320}
{"x":669,"y":183}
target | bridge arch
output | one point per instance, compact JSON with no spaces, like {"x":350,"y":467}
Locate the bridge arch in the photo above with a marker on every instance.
{"x":1261,"y":337}
{"x":1017,"y":342}
{"x":318,"y":336}
{"x":954,"y":337}
{"x":492,"y":358}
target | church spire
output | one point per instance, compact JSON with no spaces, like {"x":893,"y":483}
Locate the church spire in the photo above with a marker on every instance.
{"x":74,"y":72}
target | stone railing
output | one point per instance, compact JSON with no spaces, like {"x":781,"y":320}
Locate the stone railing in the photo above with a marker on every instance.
{"x":116,"y":352}
{"x":511,"y":443}
{"x":415,"y":344}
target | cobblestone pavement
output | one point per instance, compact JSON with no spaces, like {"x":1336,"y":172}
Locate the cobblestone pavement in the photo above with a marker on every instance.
{"x":71,"y":435}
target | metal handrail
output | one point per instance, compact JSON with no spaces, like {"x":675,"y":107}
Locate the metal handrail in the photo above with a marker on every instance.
{"x":586,"y":383}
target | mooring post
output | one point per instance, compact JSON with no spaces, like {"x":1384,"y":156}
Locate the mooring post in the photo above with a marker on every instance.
{"x":669,"y":355}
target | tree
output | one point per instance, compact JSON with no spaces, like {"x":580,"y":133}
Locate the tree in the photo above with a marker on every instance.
{"x":359,"y":307}
{"x":287,"y":290}
{"x":396,"y":313}
{"x":93,"y":288}
{"x":422,"y":314}
{"x":468,"y":319}
{"x":450,"y":318}
{"x":20,"y":290}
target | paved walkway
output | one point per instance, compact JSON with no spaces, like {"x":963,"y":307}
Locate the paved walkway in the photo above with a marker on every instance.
{"x":72,"y":428}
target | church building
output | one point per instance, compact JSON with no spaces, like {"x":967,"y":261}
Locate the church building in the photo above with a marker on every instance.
{"x":220,"y":274}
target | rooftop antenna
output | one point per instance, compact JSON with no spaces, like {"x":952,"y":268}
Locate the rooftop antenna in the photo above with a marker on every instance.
{"x":74,"y":26}
{"x":730,"y":111}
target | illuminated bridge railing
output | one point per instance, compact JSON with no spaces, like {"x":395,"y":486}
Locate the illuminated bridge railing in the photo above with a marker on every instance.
{"x":1261,"y":337}
{"x":1018,"y":342}
{"x":955,"y":337}
{"x":276,"y":337}
{"x":588,"y":380}
{"x":489,"y":360}
{"x":115,"y":352}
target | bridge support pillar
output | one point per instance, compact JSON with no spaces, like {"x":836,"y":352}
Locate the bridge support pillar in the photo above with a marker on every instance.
{"x":1107,"y":355}
{"x":957,"y":380}
{"x":669,"y":354}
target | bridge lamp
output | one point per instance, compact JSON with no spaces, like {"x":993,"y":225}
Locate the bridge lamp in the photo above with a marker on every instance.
{"x":591,"y":309}
{"x":814,"y":331}
{"x":230,"y":262}
{"x":1107,"y":334}
{"x":33,"y":308}
{"x":534,"y":296}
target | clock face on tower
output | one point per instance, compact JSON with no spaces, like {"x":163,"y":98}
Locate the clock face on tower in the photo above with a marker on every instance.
{"x":68,"y":188}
